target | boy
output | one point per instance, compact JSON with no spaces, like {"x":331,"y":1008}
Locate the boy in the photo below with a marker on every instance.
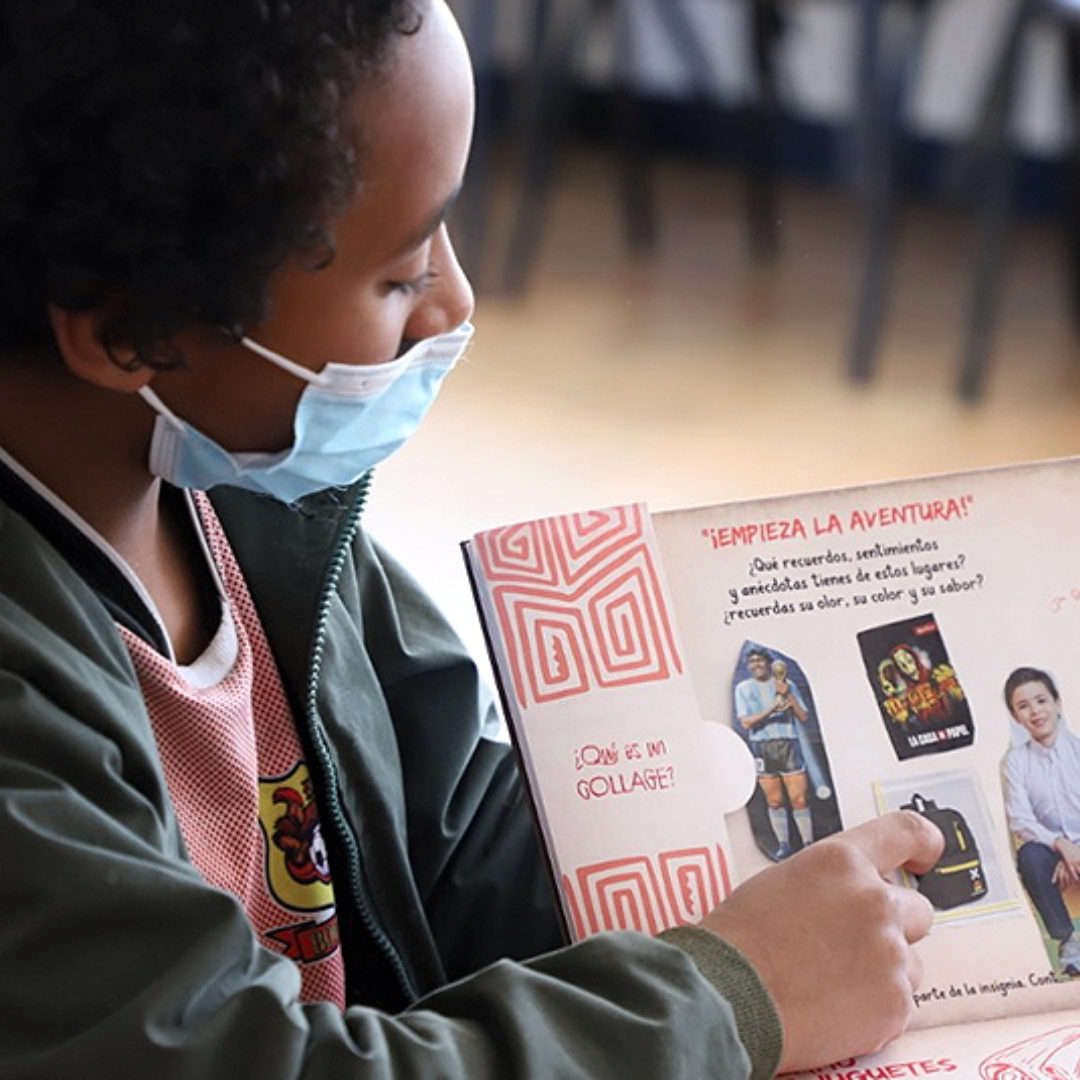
{"x":251,"y":824}
{"x":1041,"y":776}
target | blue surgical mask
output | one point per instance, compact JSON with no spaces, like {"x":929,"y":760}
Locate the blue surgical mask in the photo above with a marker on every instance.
{"x":349,"y":418}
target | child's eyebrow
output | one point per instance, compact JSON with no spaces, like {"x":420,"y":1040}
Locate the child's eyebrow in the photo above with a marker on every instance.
{"x":428,"y":229}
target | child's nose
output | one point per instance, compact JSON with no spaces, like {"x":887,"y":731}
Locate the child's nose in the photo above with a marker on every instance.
{"x":449,"y":301}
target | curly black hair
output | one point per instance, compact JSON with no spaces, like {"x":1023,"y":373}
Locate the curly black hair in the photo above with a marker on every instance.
{"x":159,"y":159}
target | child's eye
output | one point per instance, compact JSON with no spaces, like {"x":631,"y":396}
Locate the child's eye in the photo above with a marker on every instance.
{"x":415,"y":286}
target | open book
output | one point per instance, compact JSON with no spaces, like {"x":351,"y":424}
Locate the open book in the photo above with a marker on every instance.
{"x":696,"y":694}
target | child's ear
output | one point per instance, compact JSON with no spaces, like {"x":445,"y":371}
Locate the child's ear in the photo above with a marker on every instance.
{"x":80,"y":338}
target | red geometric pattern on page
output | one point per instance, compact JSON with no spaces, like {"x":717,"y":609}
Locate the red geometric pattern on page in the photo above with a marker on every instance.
{"x":579,"y":604}
{"x":640,"y":893}
{"x":620,"y":894}
{"x":695,"y":882}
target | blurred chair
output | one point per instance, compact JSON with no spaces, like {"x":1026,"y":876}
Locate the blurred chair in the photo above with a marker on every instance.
{"x":993,"y":157}
{"x":988,"y":157}
{"x":558,"y":29}
{"x":887,"y":66}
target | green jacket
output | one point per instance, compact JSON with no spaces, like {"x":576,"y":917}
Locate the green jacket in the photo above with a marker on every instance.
{"x":117,"y":959}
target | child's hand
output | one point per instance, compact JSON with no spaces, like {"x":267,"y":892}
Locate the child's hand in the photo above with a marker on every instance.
{"x":831,"y":937}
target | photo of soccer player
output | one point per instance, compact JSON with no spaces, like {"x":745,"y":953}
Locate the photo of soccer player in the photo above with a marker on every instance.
{"x":794,"y":803}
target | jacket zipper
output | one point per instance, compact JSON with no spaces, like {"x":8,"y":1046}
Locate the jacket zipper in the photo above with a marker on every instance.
{"x":333,"y":810}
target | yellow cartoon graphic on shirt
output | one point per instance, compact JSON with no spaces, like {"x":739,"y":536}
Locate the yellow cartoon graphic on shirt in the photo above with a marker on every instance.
{"x":297,"y":867}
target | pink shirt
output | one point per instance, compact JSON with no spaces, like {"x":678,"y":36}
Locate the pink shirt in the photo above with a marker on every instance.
{"x":236,"y":773}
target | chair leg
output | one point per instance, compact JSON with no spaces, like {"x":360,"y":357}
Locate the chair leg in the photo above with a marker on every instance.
{"x":633,"y":135}
{"x":639,"y":201}
{"x":873,"y":172}
{"x":883,"y":80}
{"x":1071,"y":172}
{"x":766,"y":30}
{"x":541,"y":107}
{"x":993,"y":217}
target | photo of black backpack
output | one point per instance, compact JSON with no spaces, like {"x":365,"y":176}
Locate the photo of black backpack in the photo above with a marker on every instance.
{"x":958,"y":876}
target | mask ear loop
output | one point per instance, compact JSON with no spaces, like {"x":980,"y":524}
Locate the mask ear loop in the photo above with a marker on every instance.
{"x":283,"y":362}
{"x":158,"y":405}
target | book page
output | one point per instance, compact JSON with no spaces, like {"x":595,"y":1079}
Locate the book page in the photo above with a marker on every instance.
{"x":891,"y":618}
{"x":632,"y":789}
{"x":1015,"y":1048}
{"x":695,"y":695}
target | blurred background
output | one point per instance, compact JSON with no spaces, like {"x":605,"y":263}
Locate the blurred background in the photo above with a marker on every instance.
{"x":734,"y":248}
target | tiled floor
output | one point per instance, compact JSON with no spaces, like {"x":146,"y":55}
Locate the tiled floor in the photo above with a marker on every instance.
{"x":695,"y":376}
